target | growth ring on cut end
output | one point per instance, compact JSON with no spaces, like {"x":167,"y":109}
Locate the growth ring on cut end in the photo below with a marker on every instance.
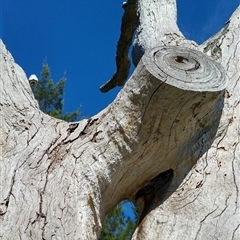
{"x":185,"y":68}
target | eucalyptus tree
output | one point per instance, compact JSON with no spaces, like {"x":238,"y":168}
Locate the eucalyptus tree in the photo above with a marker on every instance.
{"x":169,"y":141}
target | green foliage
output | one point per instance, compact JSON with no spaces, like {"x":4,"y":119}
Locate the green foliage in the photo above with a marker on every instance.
{"x":117,"y":225}
{"x":50,"y":96}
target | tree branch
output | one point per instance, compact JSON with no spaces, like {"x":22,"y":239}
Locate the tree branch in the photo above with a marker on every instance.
{"x":208,"y":193}
{"x":153,"y":29}
{"x":155,"y":124}
{"x":122,"y":60}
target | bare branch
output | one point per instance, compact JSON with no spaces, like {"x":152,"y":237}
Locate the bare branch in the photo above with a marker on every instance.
{"x":123,"y":63}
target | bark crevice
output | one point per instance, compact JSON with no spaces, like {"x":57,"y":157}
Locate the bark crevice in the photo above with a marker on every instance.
{"x":166,"y":117}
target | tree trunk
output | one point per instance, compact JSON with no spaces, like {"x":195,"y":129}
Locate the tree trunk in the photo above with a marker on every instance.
{"x":205,"y":203}
{"x":59,"y":179}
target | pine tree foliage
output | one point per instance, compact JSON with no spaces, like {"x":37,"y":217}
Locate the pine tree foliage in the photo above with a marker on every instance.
{"x":117,"y":225}
{"x":50,"y":96}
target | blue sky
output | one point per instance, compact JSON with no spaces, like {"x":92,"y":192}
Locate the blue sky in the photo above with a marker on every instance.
{"x":80,"y":37}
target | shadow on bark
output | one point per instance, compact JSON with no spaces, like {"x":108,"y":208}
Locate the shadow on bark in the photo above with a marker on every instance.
{"x":160,"y":188}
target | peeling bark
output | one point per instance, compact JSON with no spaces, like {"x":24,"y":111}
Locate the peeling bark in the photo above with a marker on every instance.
{"x":58,"y":179}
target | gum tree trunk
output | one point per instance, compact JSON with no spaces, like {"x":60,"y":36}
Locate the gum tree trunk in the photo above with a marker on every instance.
{"x":179,"y":112}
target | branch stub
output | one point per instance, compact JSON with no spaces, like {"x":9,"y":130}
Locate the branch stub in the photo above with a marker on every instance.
{"x":185,"y":68}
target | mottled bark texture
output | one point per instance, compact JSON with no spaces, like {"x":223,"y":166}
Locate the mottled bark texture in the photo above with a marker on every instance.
{"x":205,"y":204}
{"x":179,"y":112}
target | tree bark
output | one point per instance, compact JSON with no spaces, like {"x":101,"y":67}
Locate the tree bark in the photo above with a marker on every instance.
{"x":206,"y":203}
{"x":59,"y":179}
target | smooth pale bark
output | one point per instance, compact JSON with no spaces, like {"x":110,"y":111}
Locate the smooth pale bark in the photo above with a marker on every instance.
{"x":157,"y":27}
{"x":58,"y":179}
{"x":206,"y":204}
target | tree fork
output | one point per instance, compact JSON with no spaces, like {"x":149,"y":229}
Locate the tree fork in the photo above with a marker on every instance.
{"x":157,"y":122}
{"x":61,"y":184}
